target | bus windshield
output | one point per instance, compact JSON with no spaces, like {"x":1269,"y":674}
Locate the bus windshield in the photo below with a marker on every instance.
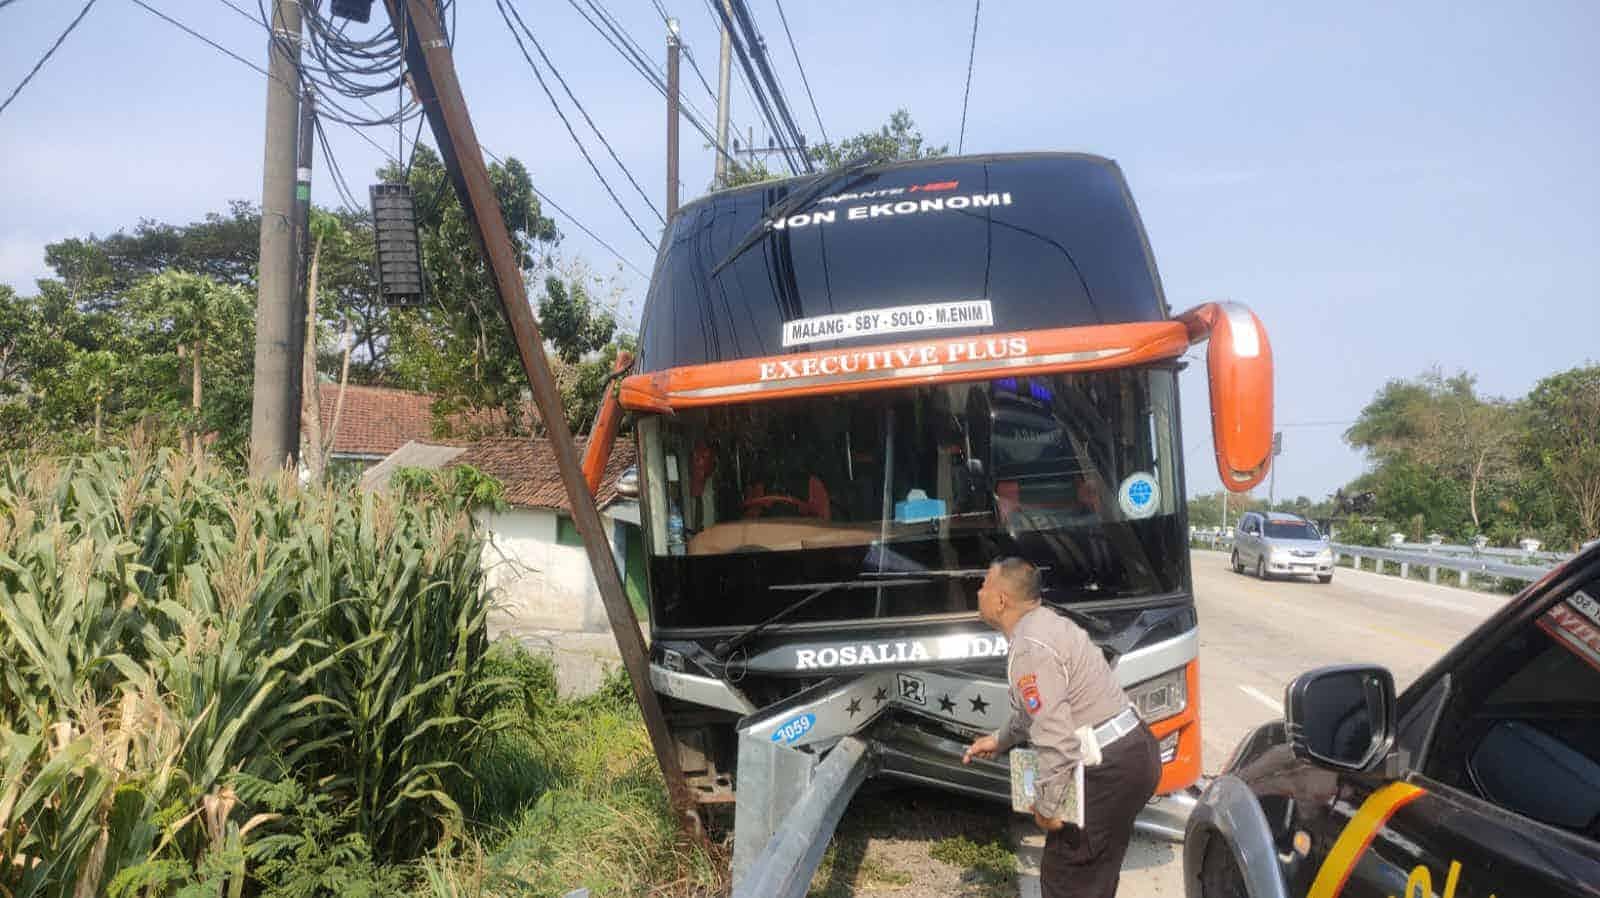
{"x":905,"y":495}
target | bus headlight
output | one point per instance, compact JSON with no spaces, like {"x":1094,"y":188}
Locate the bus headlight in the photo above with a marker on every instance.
{"x":1161,"y":696}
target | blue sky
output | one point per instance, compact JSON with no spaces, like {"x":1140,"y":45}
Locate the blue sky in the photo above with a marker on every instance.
{"x":1390,"y":186}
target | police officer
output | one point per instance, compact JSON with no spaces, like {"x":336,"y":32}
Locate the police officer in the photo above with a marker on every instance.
{"x":1060,"y":682}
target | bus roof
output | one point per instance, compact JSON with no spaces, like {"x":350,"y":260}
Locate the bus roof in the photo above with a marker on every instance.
{"x":946,"y":247}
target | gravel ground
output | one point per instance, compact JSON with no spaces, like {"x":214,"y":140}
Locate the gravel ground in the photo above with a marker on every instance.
{"x":887,"y":842}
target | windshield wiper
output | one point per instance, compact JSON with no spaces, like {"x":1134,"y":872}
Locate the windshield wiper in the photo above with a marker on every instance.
{"x":805,"y":193}
{"x":725,"y":648}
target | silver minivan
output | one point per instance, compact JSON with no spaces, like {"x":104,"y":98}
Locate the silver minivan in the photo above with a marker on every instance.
{"x":1277,"y":544}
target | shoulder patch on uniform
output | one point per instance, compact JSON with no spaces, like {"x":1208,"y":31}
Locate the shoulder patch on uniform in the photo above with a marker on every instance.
{"x":1029,"y":685}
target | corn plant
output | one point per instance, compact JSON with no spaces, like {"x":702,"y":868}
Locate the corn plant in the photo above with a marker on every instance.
{"x":166,"y":632}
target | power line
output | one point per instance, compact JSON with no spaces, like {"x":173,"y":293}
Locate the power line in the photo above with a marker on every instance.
{"x":47,"y":54}
{"x":780,"y":104}
{"x":592,"y":126}
{"x":570,"y":217}
{"x":341,"y":185}
{"x":803,"y":79}
{"x":208,"y":41}
{"x":755,"y":84}
{"x":713,"y":7}
{"x":624,"y":44}
{"x":237,"y":58}
{"x":335,"y":172}
{"x":972,"y":53}
{"x":694,"y":64}
{"x":539,"y":76}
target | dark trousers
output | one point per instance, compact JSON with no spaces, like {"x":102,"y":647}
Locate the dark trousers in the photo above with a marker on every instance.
{"x":1087,"y":862}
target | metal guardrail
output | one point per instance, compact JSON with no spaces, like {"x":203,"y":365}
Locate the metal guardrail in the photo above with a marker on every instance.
{"x":785,"y":866}
{"x":1465,"y":561}
{"x":1552,"y":558}
{"x":1465,"y":567}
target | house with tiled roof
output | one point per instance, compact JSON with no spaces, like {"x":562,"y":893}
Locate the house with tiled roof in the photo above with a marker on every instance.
{"x":366,"y":424}
{"x":534,"y":560}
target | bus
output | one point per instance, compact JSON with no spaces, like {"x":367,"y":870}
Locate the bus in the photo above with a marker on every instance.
{"x":855,"y":390}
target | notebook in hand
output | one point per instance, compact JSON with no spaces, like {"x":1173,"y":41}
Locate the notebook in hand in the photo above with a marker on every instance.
{"x":1024,"y":786}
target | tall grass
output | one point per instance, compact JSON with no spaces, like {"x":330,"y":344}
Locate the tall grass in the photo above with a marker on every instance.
{"x":196,"y":672}
{"x":570,"y":797}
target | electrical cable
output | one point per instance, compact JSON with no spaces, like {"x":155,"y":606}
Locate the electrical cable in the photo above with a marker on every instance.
{"x":774,"y":88}
{"x":335,"y":171}
{"x":712,"y":7}
{"x":755,"y":84}
{"x":642,"y":65}
{"x":972,"y":54}
{"x":47,"y":54}
{"x":341,"y":184}
{"x":592,"y":235}
{"x":803,"y":79}
{"x":237,"y":58}
{"x":539,"y":76}
{"x":565,"y":87}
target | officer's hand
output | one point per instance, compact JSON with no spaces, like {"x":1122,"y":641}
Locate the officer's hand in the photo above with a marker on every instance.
{"x":983,"y":747}
{"x":1048,"y":824}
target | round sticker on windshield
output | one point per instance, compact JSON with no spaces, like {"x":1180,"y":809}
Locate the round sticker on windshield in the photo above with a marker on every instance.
{"x":1139,"y":496}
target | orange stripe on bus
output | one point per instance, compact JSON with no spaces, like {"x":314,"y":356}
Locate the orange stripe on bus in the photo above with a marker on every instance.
{"x":1358,"y":835}
{"x":931,"y":360}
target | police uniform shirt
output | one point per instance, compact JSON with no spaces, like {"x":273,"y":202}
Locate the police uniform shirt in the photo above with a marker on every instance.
{"x":1059,"y":681}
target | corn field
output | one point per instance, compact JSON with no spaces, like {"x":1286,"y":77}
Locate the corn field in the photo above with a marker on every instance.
{"x":200,"y":676}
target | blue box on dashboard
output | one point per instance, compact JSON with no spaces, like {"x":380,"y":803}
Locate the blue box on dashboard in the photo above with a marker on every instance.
{"x":918,"y":507}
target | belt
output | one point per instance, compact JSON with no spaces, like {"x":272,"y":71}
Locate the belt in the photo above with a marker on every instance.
{"x":1118,"y":726}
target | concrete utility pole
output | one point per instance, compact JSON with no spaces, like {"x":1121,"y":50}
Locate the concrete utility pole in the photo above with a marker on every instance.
{"x":302,"y":260}
{"x":274,"y":412}
{"x":432,"y":70}
{"x":724,"y":81}
{"x":672,"y":118}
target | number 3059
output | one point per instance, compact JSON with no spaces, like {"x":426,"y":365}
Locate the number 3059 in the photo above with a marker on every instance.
{"x":794,"y":729}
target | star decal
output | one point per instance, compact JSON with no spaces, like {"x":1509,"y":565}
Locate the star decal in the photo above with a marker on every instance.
{"x":979,"y":705}
{"x":946,"y":704}
{"x":854,"y":707}
{"x":881,"y":696}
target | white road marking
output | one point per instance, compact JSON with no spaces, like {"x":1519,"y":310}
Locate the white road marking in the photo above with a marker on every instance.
{"x":1262,"y":697}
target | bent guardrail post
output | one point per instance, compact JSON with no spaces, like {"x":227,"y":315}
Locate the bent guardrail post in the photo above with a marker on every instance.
{"x":772,"y":780}
{"x":790,"y":858}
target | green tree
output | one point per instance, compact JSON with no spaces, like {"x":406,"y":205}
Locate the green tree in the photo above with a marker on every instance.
{"x":1562,"y":444}
{"x":897,"y":140}
{"x":1440,"y":427}
{"x":571,"y":323}
{"x":195,"y":357}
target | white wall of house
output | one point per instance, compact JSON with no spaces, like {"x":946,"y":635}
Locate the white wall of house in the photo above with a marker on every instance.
{"x":540,"y":585}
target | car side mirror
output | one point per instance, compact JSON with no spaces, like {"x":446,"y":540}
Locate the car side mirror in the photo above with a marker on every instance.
{"x":1239,"y":366}
{"x":628,"y":484}
{"x":1341,"y":717}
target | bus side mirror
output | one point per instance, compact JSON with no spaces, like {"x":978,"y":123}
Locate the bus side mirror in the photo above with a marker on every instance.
{"x":1239,"y":365}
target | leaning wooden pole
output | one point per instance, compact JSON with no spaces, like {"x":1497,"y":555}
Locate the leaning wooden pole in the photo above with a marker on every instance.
{"x":433,"y":75}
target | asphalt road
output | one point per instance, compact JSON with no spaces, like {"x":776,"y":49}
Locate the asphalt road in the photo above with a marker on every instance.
{"x":1255,"y":637}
